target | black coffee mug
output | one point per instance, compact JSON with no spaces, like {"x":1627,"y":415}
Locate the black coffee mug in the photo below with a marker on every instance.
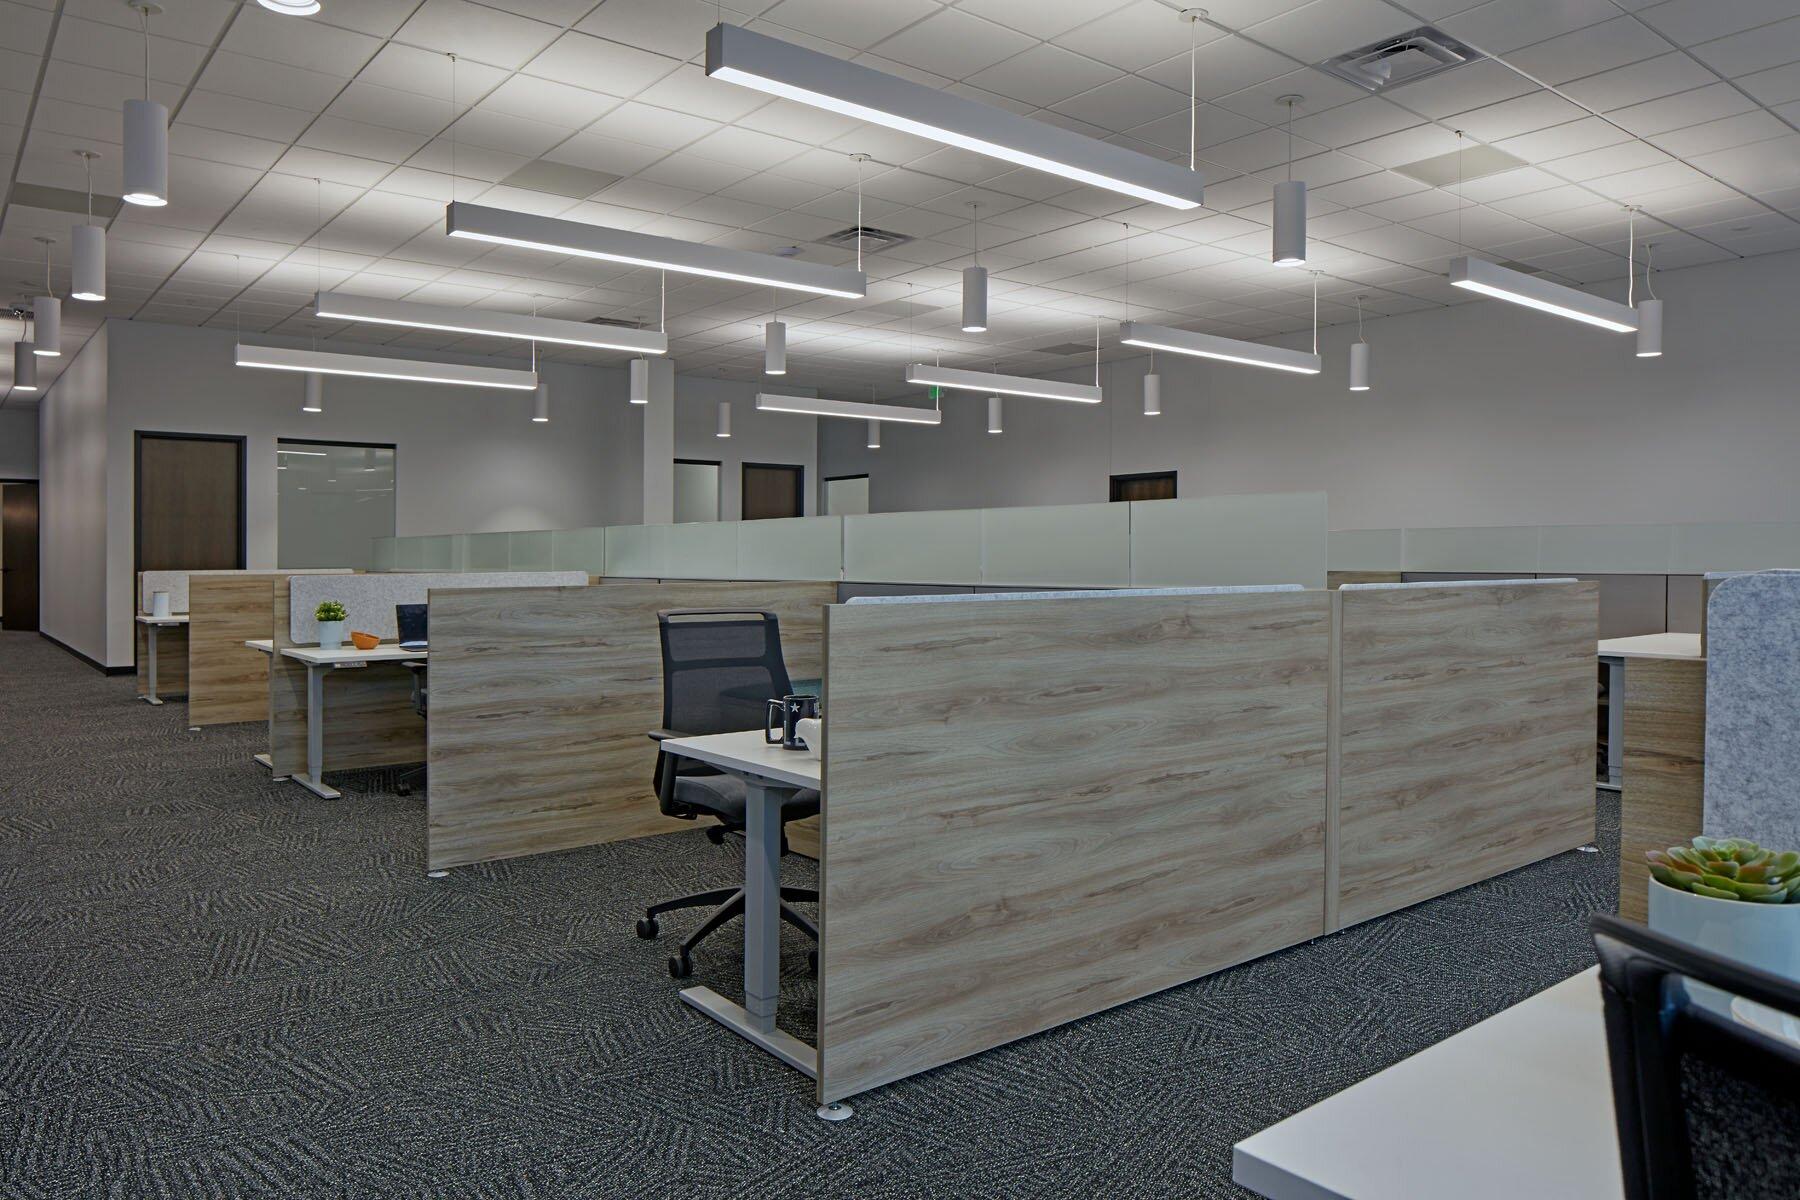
{"x":784,"y":718}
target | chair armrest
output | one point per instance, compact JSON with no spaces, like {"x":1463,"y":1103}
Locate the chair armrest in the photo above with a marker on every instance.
{"x":663,"y":735}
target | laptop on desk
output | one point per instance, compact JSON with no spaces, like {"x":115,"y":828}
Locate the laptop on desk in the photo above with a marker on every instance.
{"x":409,"y":619}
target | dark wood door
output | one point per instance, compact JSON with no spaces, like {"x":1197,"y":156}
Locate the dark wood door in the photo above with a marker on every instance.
{"x":19,"y":556}
{"x":190,"y":502}
{"x":773,"y":490}
{"x":1158,"y":485}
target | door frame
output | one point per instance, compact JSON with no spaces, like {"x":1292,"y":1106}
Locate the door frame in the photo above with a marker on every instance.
{"x":137,"y":495}
{"x":1115,"y":480}
{"x":719,"y":515}
{"x":825,"y":488}
{"x":799,"y":470}
{"x":37,"y":545}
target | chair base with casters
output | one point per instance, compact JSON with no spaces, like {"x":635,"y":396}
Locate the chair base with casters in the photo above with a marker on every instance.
{"x":730,"y":903}
{"x":408,"y":780}
{"x":421,"y":699}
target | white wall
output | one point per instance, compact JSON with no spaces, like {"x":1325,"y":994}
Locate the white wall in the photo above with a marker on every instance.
{"x":756,"y":437}
{"x":1482,"y":414}
{"x":18,"y":441}
{"x":72,"y":500}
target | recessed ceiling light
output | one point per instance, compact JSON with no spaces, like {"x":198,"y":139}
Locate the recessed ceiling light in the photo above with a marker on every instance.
{"x":291,"y":8}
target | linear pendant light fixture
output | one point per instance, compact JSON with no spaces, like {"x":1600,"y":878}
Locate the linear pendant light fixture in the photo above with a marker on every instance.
{"x":1516,"y":287}
{"x":282,"y":358}
{"x":1206,"y":345}
{"x":341,"y":306}
{"x":503,"y":227}
{"x":1004,"y":385}
{"x":819,"y":406}
{"x":779,"y":68}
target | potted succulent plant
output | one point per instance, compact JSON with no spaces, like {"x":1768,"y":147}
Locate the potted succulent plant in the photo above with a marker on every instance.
{"x":1730,"y":896}
{"x":331,"y":616}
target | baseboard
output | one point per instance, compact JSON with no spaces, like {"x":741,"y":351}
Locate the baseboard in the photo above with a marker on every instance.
{"x":94,"y":663}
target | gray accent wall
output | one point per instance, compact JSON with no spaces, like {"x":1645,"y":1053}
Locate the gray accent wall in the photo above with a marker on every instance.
{"x":18,"y":440}
{"x":1481,"y":414}
{"x":72,"y":506}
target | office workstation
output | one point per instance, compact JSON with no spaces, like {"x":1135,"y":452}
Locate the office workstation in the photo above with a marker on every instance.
{"x":932,"y":599}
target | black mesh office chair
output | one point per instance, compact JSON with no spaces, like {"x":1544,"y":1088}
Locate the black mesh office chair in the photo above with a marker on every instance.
{"x":410,"y":621}
{"x":720,"y":669}
{"x":1707,"y":1104}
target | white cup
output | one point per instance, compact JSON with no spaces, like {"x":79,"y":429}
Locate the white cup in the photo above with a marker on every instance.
{"x":159,"y":604}
{"x":811,"y":731}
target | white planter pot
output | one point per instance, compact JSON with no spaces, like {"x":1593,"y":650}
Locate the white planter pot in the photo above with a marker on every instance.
{"x":331,"y":635}
{"x":1766,"y":936}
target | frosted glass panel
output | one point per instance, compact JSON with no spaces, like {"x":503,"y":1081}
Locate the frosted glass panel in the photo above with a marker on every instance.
{"x":1364,"y":550}
{"x":791,"y":548}
{"x":489,"y":551}
{"x":917,"y":547}
{"x":1216,"y":541}
{"x":1500,"y":548}
{"x":631,"y":552}
{"x":1057,"y":545}
{"x":700,"y":550}
{"x":381,"y":555}
{"x":529,"y":551}
{"x":1735,"y":546}
{"x":437,"y":552}
{"x":579,"y":550}
{"x":1604,"y":549}
{"x":407,"y":553}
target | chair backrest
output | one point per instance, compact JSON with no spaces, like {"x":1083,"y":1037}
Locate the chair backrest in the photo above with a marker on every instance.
{"x":720,"y":668}
{"x":410,"y":620}
{"x":1708,"y":1103}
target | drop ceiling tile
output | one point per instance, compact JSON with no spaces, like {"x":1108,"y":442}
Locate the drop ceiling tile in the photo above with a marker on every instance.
{"x":1615,"y":43}
{"x":600,"y":153}
{"x":1725,"y":134}
{"x":1753,"y":50}
{"x":276,"y":83}
{"x":1262,"y":101}
{"x":235,"y":114}
{"x":1511,"y":118}
{"x":1222,"y":67}
{"x":317,"y":47}
{"x":332,"y":167}
{"x":1461,"y":89}
{"x":1647,"y":80}
{"x":112,"y":48}
{"x":378,"y":17}
{"x":1762,"y":167}
{"x":1039,"y":18}
{"x":1560,"y":141}
{"x":1502,"y":26}
{"x":800,"y":122}
{"x":1144,"y":33}
{"x":477,"y":33}
{"x":858,"y":26}
{"x":1408,"y":145}
{"x":516,"y":135}
{"x":652,"y":126}
{"x":1629,"y":187}
{"x":1369,"y":189}
{"x":196,"y":21}
{"x":1690,"y":22}
{"x":1126,"y":102}
{"x":1325,"y":28}
{"x":363,"y":141}
{"x":1778,"y":86}
{"x":547,"y":101}
{"x":1608,"y":160}
{"x":371,"y":104}
{"x":471,"y":165}
{"x":582,"y":61}
{"x":1682,"y":110}
{"x":677,"y":30}
{"x":953,"y":44}
{"x":1044,"y":75}
{"x":1357,"y":121}
{"x":746,"y":148}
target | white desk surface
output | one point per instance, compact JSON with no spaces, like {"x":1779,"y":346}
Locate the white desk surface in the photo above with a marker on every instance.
{"x":266,"y":645}
{"x":1518,"y":1105}
{"x":1653,"y":645}
{"x":171,"y":619}
{"x":314,"y":656}
{"x":748,"y":753}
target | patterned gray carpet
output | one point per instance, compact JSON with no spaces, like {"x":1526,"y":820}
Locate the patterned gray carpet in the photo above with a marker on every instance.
{"x":212,"y":985}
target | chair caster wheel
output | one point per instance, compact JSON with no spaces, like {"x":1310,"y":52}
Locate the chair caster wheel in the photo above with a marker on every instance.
{"x":403,"y":789}
{"x":680,"y":966}
{"x":812,"y":962}
{"x":647,"y":928}
{"x":715,"y":834}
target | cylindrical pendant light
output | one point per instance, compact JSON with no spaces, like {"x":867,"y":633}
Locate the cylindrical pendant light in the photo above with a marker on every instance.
{"x":146,"y":153}
{"x":775,"y":348}
{"x":974,"y":296}
{"x":24,"y":367}
{"x":1153,"y":395}
{"x":874,"y":435}
{"x":1649,"y":333}
{"x":1359,"y":366}
{"x":724,"y":419}
{"x":640,"y":381}
{"x":1290,"y":222}
{"x":540,"y":409}
{"x":994,"y":425}
{"x":315,"y":394}
{"x":46,"y":319}
{"x":88,"y":277}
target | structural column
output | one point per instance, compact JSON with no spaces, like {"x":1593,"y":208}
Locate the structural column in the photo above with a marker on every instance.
{"x":659,"y":445}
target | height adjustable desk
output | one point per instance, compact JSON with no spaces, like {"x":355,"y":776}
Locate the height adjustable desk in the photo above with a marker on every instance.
{"x":321,"y":664}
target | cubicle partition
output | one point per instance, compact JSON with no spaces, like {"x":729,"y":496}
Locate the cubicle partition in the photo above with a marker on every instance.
{"x":541,"y":702}
{"x":174,"y":643}
{"x":1752,"y":715}
{"x":1463,"y":740}
{"x":228,"y":681}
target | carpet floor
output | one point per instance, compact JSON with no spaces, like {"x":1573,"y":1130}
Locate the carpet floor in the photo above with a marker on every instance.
{"x":215,"y":985}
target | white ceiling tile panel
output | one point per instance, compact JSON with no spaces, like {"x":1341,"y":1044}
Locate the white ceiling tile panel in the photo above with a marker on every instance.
{"x":1679,"y":111}
{"x":1318,"y":31}
{"x":1690,"y":22}
{"x":1501,"y":26}
{"x":1647,"y":80}
{"x":1614,"y":43}
{"x":477,"y":32}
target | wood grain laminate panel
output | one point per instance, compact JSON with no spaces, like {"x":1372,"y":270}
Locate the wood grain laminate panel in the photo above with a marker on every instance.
{"x":1466,"y":740}
{"x":1660,"y":802}
{"x":171,"y":660}
{"x":228,"y":681}
{"x":369,"y":717}
{"x":1036,"y":810}
{"x":540,"y":702}
{"x":1337,"y":579}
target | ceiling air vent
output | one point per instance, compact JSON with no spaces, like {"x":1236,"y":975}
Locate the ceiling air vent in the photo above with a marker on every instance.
{"x":1405,"y":59}
{"x":866,"y":238}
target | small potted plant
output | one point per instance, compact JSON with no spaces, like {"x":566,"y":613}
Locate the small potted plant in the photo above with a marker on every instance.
{"x":1730,"y":896}
{"x":331,"y":616}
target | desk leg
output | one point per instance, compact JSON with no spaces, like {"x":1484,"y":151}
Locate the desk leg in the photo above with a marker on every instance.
{"x":314,"y":779}
{"x":755,"y":1018}
{"x":150,"y":696}
{"x":1615,"y":721}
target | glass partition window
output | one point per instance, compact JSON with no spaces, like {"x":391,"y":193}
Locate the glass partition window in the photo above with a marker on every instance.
{"x":333,"y":501}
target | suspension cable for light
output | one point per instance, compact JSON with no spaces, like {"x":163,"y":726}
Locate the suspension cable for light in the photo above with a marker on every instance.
{"x":1290,"y":203}
{"x":146,"y":134}
{"x":87,"y":261}
{"x":1359,"y":353}
{"x":974,"y":284}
